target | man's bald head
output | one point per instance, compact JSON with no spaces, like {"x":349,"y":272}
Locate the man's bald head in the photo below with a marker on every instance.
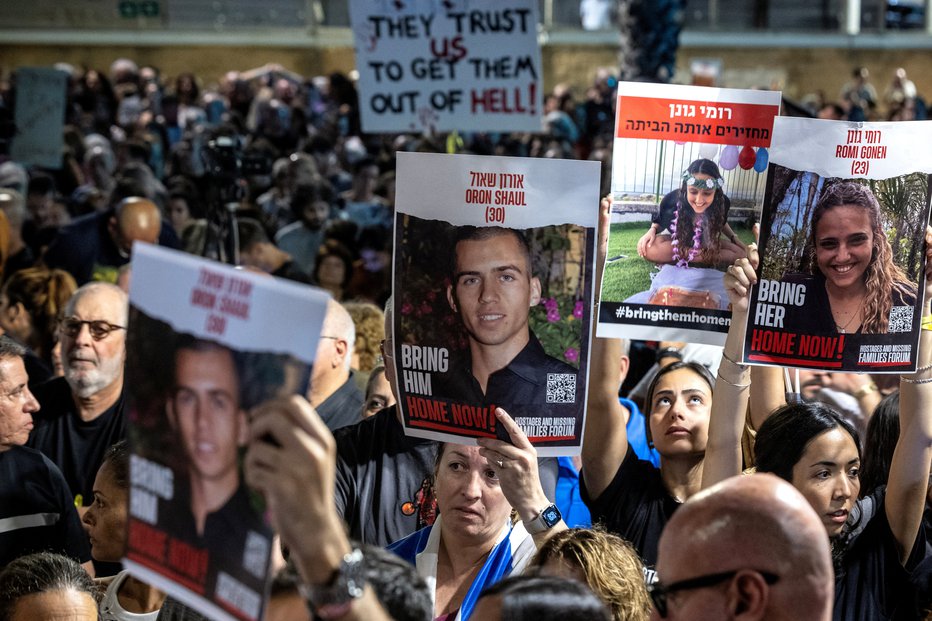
{"x":759,"y":523}
{"x":135,"y":219}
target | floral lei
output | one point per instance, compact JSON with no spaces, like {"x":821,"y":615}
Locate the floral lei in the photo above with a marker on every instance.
{"x":696,"y":248}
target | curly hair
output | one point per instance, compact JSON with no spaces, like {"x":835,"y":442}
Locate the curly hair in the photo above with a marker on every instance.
{"x":882,"y":276}
{"x":610,"y":565}
{"x":714,"y":215}
{"x":370,"y":330}
{"x":43,"y":292}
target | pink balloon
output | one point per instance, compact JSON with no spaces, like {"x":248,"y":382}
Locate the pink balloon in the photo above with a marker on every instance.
{"x":747,"y":158}
{"x":729,"y":158}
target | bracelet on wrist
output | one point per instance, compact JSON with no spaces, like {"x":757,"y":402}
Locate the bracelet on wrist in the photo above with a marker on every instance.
{"x":728,"y":358}
{"x":730,"y":383}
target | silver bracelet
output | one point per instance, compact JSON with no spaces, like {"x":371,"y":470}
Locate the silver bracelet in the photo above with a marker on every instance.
{"x":924,"y":380}
{"x":738,"y":386}
{"x":741,"y":366}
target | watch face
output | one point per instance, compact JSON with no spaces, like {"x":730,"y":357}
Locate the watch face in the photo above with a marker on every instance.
{"x":551,"y":515}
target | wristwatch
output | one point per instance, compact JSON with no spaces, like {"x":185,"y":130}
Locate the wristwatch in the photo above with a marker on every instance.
{"x":335,"y":598}
{"x":545,"y":520}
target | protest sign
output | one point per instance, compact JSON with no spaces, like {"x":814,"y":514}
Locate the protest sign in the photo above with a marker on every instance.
{"x":39,"y":116}
{"x":688,"y":172}
{"x":842,"y":261}
{"x":206,"y":344}
{"x":443,"y":65}
{"x":493,"y":296}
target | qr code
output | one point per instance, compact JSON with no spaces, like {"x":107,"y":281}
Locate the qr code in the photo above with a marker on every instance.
{"x":901,"y":319}
{"x":561,"y":388}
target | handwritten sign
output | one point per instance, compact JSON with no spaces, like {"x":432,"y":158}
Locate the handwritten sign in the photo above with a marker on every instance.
{"x":39,"y":117}
{"x":448,"y":65}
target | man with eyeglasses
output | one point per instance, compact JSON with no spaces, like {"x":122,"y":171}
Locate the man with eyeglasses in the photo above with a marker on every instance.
{"x":82,"y":413}
{"x":333,"y":391}
{"x":749,"y":548}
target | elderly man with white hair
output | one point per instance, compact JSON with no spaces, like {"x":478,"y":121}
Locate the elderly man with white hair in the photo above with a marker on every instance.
{"x":333,"y":391}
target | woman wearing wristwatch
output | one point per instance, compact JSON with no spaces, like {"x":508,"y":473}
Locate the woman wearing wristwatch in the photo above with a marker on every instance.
{"x":493,"y":516}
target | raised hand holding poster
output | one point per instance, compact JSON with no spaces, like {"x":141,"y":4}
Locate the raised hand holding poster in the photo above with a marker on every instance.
{"x":688,"y":173}
{"x":842,"y":247}
{"x":206,"y":343}
{"x":493,"y":296}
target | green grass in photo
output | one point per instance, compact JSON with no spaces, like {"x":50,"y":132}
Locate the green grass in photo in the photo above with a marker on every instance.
{"x":626,"y":273}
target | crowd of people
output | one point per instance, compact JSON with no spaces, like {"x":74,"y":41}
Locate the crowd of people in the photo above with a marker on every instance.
{"x":655,"y":517}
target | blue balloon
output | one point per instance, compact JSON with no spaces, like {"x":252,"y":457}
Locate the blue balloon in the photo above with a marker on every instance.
{"x":763,"y":158}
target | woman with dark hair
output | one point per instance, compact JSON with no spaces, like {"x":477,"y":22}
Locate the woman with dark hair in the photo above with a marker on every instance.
{"x":333,"y":268}
{"x":631,"y":497}
{"x":540,"y":598}
{"x":853,"y":283}
{"x":46,"y":587}
{"x":694,"y":217}
{"x":125,"y":597}
{"x":685,"y":236}
{"x":876,"y":540}
{"x":879,"y":444}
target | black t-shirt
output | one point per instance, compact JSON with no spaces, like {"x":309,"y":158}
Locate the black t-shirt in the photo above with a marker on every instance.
{"x":635,"y":505}
{"x":36,"y":508}
{"x":343,"y":407}
{"x":384,"y":479}
{"x":238,"y":542}
{"x":75,"y":446}
{"x":872,"y":584}
{"x":521,"y":387}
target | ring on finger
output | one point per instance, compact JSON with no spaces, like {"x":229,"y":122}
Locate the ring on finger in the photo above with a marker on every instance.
{"x":501,"y":463}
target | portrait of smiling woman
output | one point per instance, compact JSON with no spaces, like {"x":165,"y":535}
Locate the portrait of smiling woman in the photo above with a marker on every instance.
{"x":852,"y":282}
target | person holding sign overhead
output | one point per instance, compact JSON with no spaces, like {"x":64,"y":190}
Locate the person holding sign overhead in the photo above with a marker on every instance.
{"x":854,"y":284}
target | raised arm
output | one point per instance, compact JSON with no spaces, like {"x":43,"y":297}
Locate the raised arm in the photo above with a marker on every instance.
{"x":516,"y":467}
{"x":730,"y":400}
{"x":605,"y":438}
{"x":908,"y":481}
{"x":291,"y":461}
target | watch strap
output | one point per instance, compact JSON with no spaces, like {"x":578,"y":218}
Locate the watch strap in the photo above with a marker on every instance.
{"x":545,"y":520}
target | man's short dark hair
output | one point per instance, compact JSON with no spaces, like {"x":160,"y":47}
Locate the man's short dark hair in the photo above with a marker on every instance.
{"x":309,"y":193}
{"x":39,"y":573}
{"x":482,"y":233}
{"x":397,"y":585}
{"x":251,"y":233}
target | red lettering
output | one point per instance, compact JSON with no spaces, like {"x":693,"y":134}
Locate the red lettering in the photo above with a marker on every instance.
{"x":147,"y":541}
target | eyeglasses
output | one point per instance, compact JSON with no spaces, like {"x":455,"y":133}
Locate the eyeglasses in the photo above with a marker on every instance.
{"x":99,"y":329}
{"x":659,"y":592}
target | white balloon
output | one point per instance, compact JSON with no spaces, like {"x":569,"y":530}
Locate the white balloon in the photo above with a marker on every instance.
{"x":708,"y":151}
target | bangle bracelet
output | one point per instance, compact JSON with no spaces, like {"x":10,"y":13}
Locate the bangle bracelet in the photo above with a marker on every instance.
{"x":924,"y":380}
{"x":741,"y":366}
{"x":738,"y":386}
{"x":864,"y":390}
{"x":928,"y":367}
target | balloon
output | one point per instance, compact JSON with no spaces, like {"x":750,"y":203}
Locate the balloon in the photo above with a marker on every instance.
{"x":747,"y":158}
{"x":708,"y":151}
{"x":760,"y":164}
{"x":729,"y":158}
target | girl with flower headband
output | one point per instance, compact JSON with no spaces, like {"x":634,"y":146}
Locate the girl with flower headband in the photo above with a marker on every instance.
{"x":694,"y":216}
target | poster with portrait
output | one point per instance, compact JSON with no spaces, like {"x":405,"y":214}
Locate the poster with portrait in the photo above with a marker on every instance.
{"x":493,"y":296}
{"x":444,"y":65}
{"x":689,"y":168}
{"x":840,"y":278}
{"x":206,"y":344}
